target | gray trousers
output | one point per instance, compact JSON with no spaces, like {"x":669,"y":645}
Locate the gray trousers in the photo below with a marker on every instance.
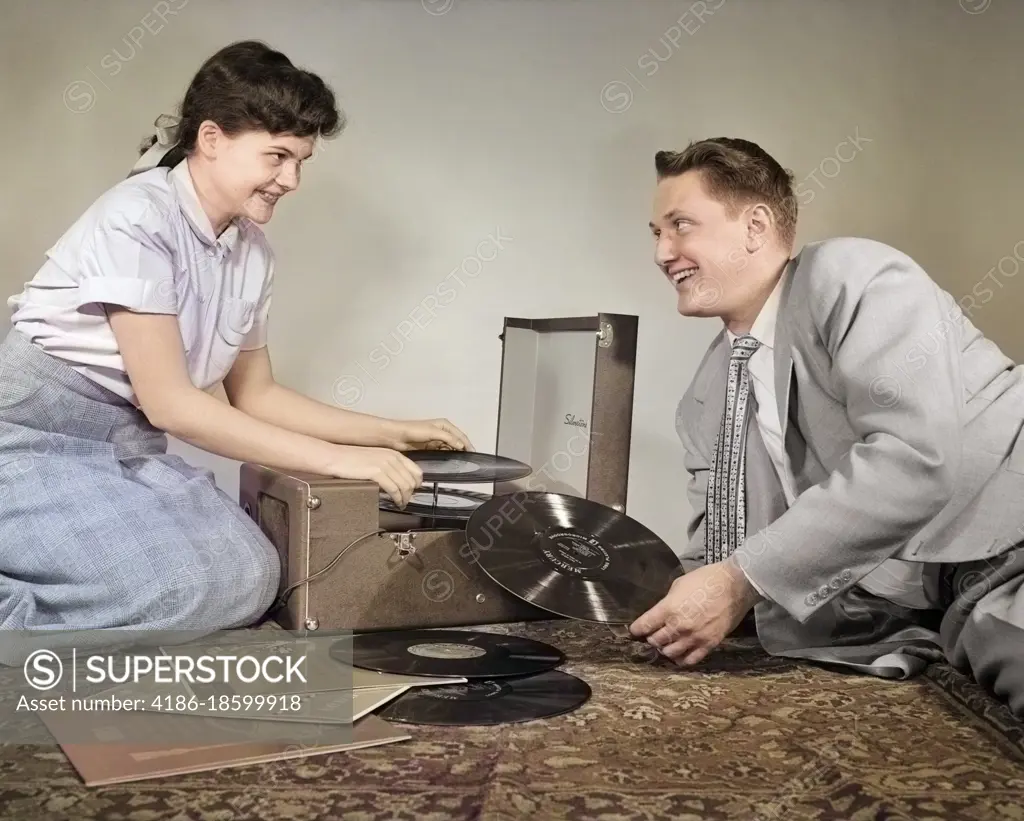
{"x":977,"y":627}
{"x":982,"y":631}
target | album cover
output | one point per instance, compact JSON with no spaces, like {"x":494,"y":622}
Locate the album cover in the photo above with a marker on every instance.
{"x":330,"y":706}
{"x":100,"y":758}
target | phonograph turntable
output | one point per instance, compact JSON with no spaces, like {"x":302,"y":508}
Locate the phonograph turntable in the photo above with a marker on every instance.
{"x":351,"y":560}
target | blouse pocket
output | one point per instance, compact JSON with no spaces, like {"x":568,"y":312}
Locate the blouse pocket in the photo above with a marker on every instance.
{"x":235,"y":320}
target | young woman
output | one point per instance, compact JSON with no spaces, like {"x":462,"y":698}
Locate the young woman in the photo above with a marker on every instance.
{"x":159,"y":292}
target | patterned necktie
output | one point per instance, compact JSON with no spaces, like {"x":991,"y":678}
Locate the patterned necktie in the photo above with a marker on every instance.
{"x":725,"y":527}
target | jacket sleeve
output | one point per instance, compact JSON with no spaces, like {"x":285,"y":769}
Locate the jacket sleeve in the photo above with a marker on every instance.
{"x":895,"y":363}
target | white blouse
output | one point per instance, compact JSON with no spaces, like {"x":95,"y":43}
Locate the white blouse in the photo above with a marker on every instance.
{"x":147,"y":245}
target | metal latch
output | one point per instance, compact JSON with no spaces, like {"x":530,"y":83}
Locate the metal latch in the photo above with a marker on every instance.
{"x":605,"y":335}
{"x":404,"y":543}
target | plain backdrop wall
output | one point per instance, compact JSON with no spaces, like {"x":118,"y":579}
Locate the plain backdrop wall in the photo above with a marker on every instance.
{"x":532,"y":126}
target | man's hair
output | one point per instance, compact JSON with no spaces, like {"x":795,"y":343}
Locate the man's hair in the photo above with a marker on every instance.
{"x":736,"y":172}
{"x":248,"y":86}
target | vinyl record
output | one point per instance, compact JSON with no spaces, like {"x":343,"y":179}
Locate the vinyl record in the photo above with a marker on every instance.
{"x":490,"y":700}
{"x":449,"y":503}
{"x":466,"y":466}
{"x":465,"y":653}
{"x":571,"y":556}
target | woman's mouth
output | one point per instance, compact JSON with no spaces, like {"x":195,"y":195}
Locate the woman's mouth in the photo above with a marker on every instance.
{"x":268,"y":197}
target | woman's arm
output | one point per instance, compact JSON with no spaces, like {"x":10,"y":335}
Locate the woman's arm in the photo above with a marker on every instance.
{"x":250,"y":387}
{"x":153,"y":355}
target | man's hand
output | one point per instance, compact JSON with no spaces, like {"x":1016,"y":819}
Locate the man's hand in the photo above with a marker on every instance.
{"x":700,"y":610}
{"x":429,"y":434}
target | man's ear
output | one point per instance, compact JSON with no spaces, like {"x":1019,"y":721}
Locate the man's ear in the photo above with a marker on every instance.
{"x":759,"y":226}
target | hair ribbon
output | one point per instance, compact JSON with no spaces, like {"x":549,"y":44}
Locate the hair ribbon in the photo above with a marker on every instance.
{"x":168,"y":133}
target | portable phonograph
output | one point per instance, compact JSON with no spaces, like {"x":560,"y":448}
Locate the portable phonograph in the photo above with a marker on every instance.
{"x":550,"y":540}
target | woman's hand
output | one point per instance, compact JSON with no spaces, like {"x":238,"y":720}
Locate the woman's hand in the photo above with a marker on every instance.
{"x":429,"y":434}
{"x":394,"y":473}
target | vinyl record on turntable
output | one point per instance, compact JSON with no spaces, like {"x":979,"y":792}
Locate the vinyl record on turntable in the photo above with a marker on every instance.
{"x":572,"y":556}
{"x":467,"y":466}
{"x":491,"y":700}
{"x":446,"y":503}
{"x":465,"y":653}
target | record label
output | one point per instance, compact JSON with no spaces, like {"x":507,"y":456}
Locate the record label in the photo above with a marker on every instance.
{"x":447,"y":651}
{"x":467,"y":466}
{"x":447,"y":466}
{"x":440,"y":503}
{"x":463,"y":653}
{"x":470,"y":691}
{"x":575,"y":553}
{"x":446,"y":500}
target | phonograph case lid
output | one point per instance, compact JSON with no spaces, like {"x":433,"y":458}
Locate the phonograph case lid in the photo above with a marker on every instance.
{"x":566,"y":404}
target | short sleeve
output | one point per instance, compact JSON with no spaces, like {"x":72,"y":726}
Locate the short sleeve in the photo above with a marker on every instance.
{"x":257,"y":336}
{"x":129,"y":260}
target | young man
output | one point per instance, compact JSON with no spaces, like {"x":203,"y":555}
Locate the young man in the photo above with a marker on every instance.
{"x":853,"y":442}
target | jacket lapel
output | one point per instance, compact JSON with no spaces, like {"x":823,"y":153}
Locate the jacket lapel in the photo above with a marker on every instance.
{"x":806,"y":467}
{"x":711,"y":386}
{"x":783,"y":356}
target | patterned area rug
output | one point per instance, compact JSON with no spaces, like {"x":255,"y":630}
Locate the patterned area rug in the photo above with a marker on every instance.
{"x":743,"y":736}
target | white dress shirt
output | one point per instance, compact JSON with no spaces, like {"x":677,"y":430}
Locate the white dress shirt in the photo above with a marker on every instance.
{"x":761,"y":367}
{"x":895,"y":580}
{"x":146,"y":244}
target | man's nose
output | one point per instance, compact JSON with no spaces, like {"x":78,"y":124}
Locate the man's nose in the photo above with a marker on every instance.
{"x":664,"y":252}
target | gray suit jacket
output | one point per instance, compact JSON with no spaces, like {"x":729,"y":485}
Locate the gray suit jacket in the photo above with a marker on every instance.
{"x":902,"y":423}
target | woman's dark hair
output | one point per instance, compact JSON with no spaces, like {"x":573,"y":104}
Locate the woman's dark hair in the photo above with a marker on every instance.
{"x":248,"y":86}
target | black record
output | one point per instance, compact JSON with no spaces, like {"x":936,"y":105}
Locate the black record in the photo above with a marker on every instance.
{"x":449,"y":503}
{"x":572,"y":556}
{"x":490,"y":700}
{"x":467,"y":466}
{"x":446,"y":653}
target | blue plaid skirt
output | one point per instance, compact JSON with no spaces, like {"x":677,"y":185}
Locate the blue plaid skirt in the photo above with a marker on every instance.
{"x":100,"y":527}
